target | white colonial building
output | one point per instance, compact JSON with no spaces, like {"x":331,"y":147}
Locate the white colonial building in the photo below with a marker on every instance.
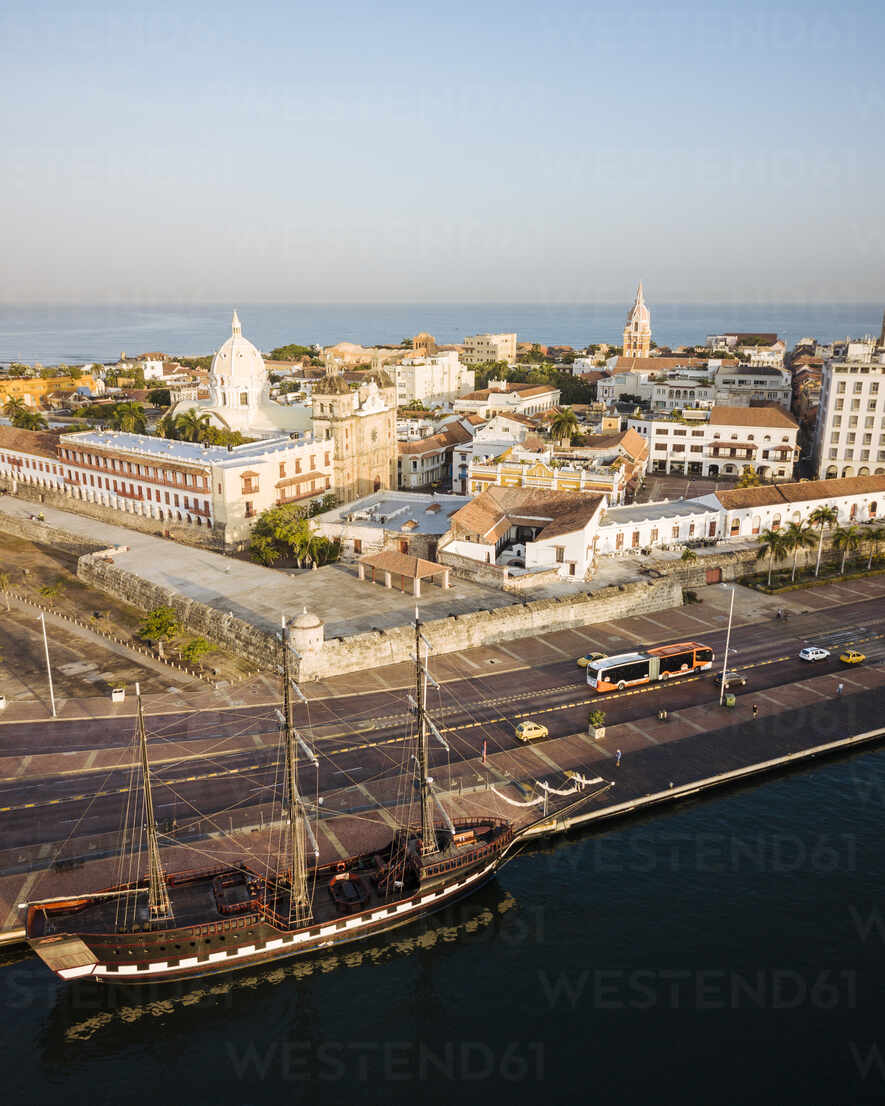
{"x":723,"y":441}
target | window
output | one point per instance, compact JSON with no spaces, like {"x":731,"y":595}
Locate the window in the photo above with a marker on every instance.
{"x":675,"y":532}
{"x":635,"y":539}
{"x":559,"y":550}
{"x":244,"y":399}
{"x":357,"y":545}
{"x":653,"y":537}
{"x":282,"y":468}
{"x":250,"y":509}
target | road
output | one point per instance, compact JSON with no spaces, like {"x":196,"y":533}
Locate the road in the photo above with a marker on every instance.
{"x":225,"y":764}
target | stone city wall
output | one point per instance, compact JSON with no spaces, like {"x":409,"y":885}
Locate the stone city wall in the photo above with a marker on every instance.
{"x":204,"y":536}
{"x":375,"y":648}
{"x":226,"y":630}
{"x":44,"y":534}
{"x":464,"y":631}
{"x":496,"y":576}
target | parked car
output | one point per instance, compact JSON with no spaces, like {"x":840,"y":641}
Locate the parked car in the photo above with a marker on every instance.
{"x":589,"y":658}
{"x":813,"y":653}
{"x":732,"y":679}
{"x":531,"y":731}
{"x":852,"y":656}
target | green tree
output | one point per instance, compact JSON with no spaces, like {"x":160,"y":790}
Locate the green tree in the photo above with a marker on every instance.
{"x":53,"y":591}
{"x":564,"y":425}
{"x":822,"y":517}
{"x":688,"y":555}
{"x":194,"y":649}
{"x":18,"y":370}
{"x":29,"y":420}
{"x":874,"y":535}
{"x":166,"y":428}
{"x":160,"y":624}
{"x":192,"y":425}
{"x":847,"y":539}
{"x":159,"y":397}
{"x":13,"y":406}
{"x":292,"y":352}
{"x":797,"y":537}
{"x":74,"y":372}
{"x":772,"y":546}
{"x":749,"y":478}
{"x":286,"y":532}
{"x":129,"y":417}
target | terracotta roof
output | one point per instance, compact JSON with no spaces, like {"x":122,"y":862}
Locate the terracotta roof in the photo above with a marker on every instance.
{"x":776,"y":494}
{"x":511,"y":389}
{"x":402,"y":564}
{"x":452,"y":434}
{"x":752,"y":416}
{"x":495,"y":510}
{"x":42,"y":442}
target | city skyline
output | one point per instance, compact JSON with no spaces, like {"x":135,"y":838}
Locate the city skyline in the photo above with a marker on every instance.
{"x":206,"y":156}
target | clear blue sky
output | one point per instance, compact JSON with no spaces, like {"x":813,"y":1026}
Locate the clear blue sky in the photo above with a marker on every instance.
{"x":462,"y":151}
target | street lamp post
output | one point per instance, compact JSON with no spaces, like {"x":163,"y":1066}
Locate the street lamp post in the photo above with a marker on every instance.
{"x":727,"y":643}
{"x":48,"y":666}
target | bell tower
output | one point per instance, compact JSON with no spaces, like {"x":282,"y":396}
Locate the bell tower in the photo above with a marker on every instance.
{"x":637,"y":332}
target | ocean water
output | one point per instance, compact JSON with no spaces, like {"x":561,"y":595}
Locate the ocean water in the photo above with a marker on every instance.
{"x":72,"y":335}
{"x":729,"y":950}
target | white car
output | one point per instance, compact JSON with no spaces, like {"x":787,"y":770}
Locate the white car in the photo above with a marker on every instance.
{"x":813,"y":653}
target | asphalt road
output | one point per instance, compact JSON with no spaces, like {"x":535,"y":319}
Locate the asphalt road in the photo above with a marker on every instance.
{"x":360,"y":738}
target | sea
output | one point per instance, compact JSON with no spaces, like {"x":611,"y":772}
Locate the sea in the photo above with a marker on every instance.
{"x":64,"y":334}
{"x":728,"y":950}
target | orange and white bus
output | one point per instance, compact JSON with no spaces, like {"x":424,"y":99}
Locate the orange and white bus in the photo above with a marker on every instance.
{"x":659,"y":663}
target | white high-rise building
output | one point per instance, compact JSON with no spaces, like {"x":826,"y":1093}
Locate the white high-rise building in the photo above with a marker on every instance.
{"x":849,"y":436}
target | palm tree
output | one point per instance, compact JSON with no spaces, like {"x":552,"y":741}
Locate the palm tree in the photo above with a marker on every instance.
{"x":13,"y":406}
{"x":848,"y":539}
{"x":166,"y":428}
{"x":772,"y":544}
{"x":564,"y":425}
{"x":796,"y":537}
{"x":129,"y":417}
{"x":192,"y":425}
{"x":875,"y":534}
{"x":29,"y":420}
{"x":822,"y":516}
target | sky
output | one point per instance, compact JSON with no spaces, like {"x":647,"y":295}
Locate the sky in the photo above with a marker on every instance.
{"x":468,"y":151}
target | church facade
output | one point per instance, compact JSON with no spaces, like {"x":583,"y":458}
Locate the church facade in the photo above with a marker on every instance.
{"x":357,"y":419}
{"x":637,"y":332}
{"x":360,"y":419}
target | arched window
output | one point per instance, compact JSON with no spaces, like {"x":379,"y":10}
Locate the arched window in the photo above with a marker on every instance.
{"x":776,"y":522}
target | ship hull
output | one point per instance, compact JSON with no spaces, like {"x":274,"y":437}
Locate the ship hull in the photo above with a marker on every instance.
{"x":76,"y":956}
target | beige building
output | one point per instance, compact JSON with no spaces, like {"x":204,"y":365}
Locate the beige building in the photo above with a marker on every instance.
{"x":361,"y":421}
{"x":489,"y":347}
{"x":432,"y":380}
{"x":511,"y":399}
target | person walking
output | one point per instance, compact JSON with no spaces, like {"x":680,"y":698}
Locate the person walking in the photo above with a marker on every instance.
{"x":755,"y":711}
{"x":840,"y":689}
{"x":617,"y":758}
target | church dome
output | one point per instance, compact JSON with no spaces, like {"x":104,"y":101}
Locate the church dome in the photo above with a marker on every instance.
{"x":238,"y":361}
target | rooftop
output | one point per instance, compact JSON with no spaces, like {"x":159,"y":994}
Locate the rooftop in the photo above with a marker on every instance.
{"x":650,"y":512}
{"x":393,"y":510}
{"x":194,"y":452}
{"x":776,"y":494}
{"x":496,"y":509}
{"x":752,"y":416}
{"x":43,"y":442}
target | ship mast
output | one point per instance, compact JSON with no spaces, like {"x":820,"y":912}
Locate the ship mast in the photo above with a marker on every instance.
{"x":428,"y":832}
{"x":299,"y":899}
{"x":158,"y":896}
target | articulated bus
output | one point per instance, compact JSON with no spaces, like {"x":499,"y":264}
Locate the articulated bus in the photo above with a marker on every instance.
{"x":659,"y":663}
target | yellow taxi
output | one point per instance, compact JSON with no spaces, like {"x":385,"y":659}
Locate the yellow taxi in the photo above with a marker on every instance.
{"x":531,"y":731}
{"x":852,"y":656}
{"x":589,"y":658}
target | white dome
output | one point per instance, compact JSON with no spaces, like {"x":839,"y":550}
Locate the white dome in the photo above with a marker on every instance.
{"x":305,"y":621}
{"x":238,"y":361}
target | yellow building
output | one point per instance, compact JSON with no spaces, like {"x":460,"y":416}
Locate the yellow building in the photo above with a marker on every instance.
{"x":34,"y":391}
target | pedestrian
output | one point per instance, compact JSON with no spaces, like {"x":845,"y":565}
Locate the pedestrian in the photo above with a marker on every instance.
{"x":755,"y":711}
{"x":617,"y":758}
{"x":840,"y":689}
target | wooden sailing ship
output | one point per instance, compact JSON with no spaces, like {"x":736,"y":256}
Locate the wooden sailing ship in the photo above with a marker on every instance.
{"x":175,"y":925}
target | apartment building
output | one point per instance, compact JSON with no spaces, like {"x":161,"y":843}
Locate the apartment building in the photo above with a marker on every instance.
{"x":723,"y":441}
{"x":435,"y":380}
{"x":507,"y":398}
{"x":849,"y":437}
{"x":479,"y":348}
